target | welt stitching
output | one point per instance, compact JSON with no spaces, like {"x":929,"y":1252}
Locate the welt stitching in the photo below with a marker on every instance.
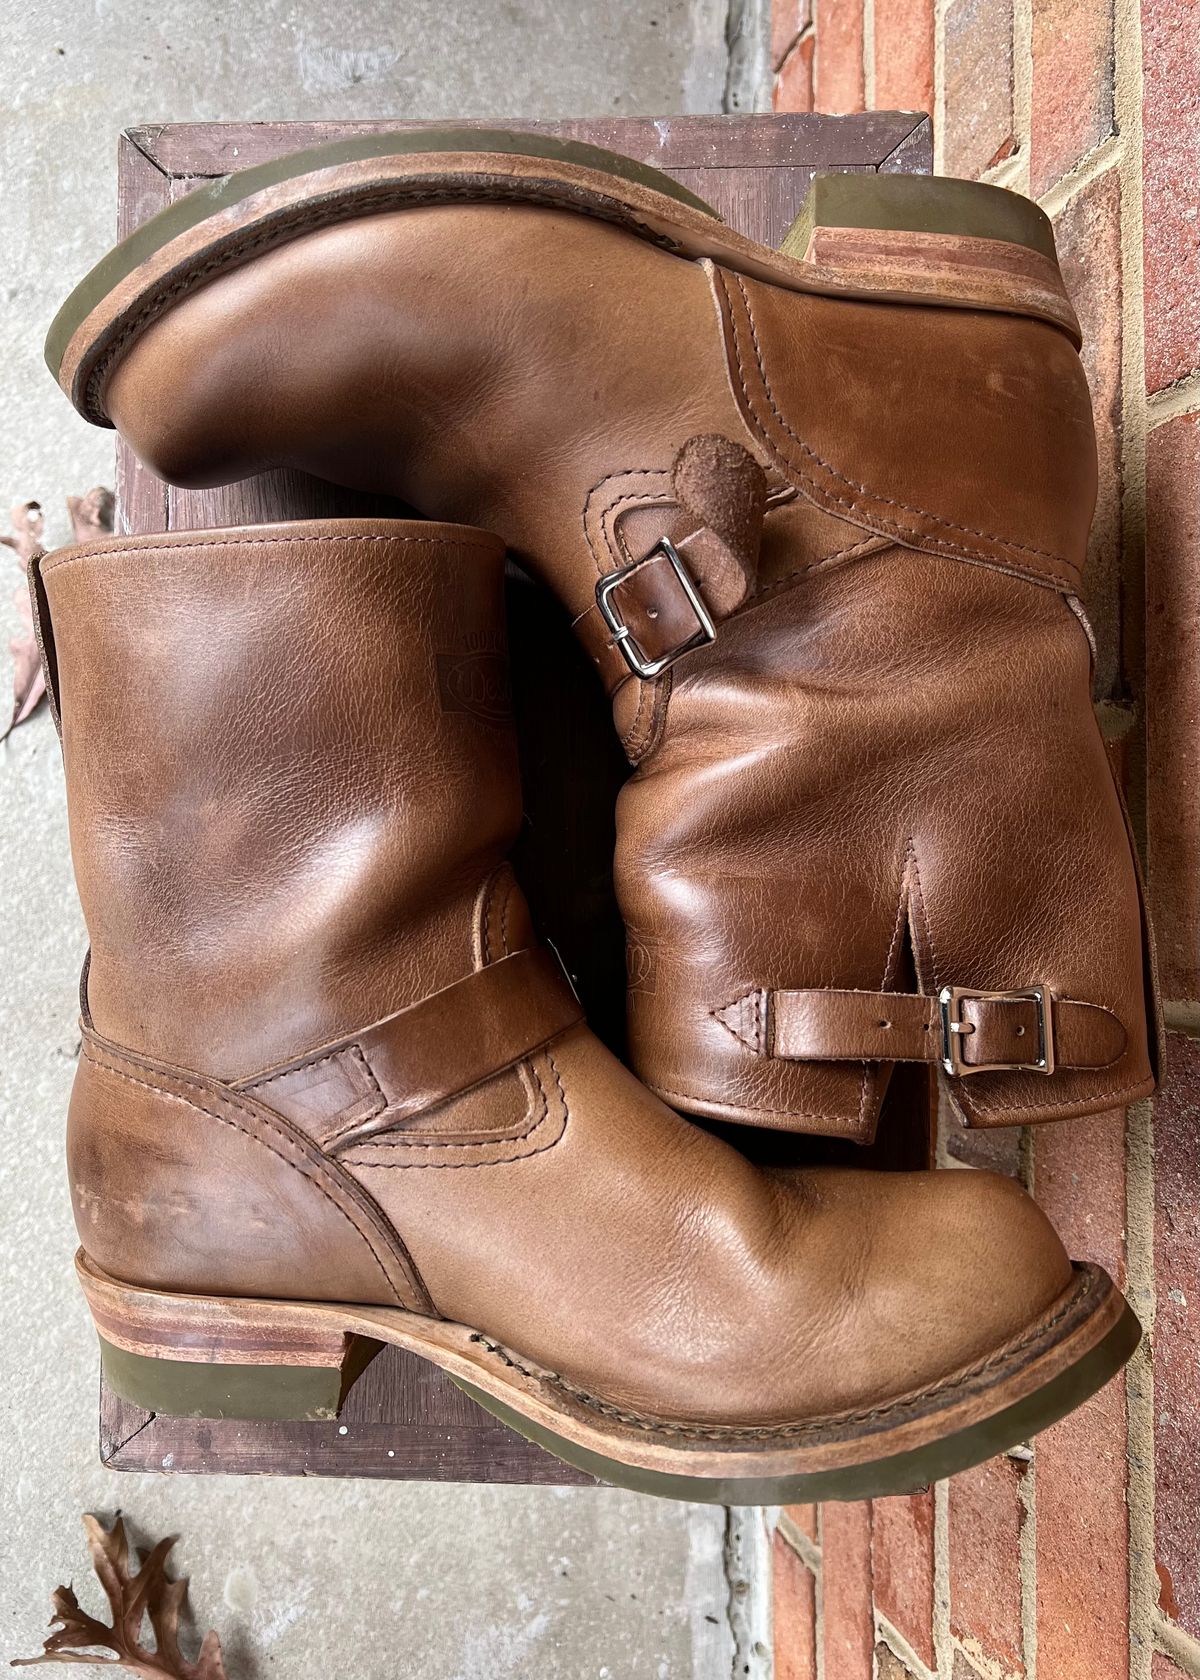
{"x":348,"y":208}
{"x":68,"y":558}
{"x":230,"y":1120}
{"x":863,"y":490}
{"x":787,"y":1431}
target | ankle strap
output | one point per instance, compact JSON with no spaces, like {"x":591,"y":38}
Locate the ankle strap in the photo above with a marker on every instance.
{"x":967,"y":1032}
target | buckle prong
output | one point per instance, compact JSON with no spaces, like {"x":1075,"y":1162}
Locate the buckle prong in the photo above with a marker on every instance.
{"x":622,"y":635}
{"x":955,"y":1029}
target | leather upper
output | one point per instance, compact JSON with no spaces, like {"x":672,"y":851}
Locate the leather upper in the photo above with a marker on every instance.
{"x":883,"y":774}
{"x":322,"y":1059}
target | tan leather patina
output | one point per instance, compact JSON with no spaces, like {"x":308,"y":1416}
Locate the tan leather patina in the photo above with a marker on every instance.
{"x":323,"y":1059}
{"x":846,"y":536}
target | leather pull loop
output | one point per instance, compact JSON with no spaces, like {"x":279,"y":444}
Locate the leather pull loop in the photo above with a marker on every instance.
{"x":967,"y":1032}
{"x":666,"y":603}
{"x":435,"y":1049}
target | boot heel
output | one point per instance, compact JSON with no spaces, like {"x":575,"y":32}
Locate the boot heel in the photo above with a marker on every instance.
{"x":211,"y":1357}
{"x":913,"y":204}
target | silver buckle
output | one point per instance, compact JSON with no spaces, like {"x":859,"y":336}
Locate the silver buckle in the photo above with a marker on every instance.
{"x":954,"y":1029}
{"x":623,"y":636}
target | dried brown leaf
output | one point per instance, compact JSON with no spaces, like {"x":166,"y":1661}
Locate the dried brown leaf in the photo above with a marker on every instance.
{"x":91,"y":517}
{"x":132,"y":1597}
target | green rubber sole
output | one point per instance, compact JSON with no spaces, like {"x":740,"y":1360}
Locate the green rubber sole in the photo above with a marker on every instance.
{"x":920,"y":204}
{"x":219,"y":194}
{"x":184,"y":1388}
{"x":905,"y":1472}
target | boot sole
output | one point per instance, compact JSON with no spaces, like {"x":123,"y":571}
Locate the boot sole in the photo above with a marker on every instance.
{"x":909,"y":239}
{"x":203,"y":1356}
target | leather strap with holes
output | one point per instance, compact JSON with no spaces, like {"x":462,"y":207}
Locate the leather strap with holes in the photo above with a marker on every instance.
{"x":836,"y":1026}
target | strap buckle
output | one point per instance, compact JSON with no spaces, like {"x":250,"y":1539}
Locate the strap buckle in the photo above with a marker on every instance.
{"x":622,"y":635}
{"x":955,"y":1029}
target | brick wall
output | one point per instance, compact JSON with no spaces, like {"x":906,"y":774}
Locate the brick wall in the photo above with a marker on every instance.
{"x":1079,"y":1557}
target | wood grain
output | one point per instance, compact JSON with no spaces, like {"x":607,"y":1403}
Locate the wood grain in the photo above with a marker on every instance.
{"x":405,"y":1419}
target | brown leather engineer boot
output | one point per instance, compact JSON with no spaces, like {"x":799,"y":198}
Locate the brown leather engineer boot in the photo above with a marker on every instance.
{"x":332,"y":1094}
{"x":820,"y":517}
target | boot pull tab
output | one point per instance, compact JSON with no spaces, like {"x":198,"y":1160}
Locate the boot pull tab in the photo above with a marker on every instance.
{"x":722,"y":493}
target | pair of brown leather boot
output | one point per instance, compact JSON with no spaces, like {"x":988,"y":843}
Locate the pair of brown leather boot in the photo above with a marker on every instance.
{"x":818,"y":517}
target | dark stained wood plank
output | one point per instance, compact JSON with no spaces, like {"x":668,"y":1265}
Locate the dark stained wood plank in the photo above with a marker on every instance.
{"x":671,"y":143}
{"x":405,"y":1419}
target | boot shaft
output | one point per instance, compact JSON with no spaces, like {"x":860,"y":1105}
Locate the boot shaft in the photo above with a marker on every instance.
{"x":290,"y":770}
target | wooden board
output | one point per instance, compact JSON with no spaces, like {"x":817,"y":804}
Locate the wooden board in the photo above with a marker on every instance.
{"x":404,"y":1419}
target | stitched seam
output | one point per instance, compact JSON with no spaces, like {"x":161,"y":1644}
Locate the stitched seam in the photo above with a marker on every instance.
{"x":350,"y":208}
{"x":862,"y":489}
{"x":303,"y":1067}
{"x":1085,"y":1104}
{"x":406,"y":1140}
{"x":73,"y":559}
{"x":868,"y":545}
{"x":632,"y":496}
{"x":229,"y":1120}
{"x":844,"y":1119}
{"x":787,"y":1431}
{"x":461,"y":1166}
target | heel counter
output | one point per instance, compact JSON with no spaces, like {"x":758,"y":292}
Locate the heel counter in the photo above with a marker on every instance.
{"x":177,"y":1185}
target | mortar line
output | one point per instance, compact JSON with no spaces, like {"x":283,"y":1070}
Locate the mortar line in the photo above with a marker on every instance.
{"x":819,"y":1597}
{"x":941,"y":7}
{"x":805,"y":1549}
{"x":1107,"y":155}
{"x":943,"y":1648}
{"x":1183,"y":397}
{"x":1022,"y":60}
{"x":1128,"y":82}
{"x":887,"y":1634}
{"x":1027,"y":1487}
{"x":1173,"y":1642}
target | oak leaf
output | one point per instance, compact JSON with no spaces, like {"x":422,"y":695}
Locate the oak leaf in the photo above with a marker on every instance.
{"x":91,"y":517}
{"x":132,"y":1597}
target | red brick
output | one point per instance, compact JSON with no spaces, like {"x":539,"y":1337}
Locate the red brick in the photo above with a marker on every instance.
{"x":888,"y":1665}
{"x":840,"y":81}
{"x":849,"y":1631}
{"x":904,"y":55}
{"x":979,"y":127}
{"x":996,"y":1148}
{"x":1082,"y":1533}
{"x":1177,"y":1333}
{"x":902,"y":1567}
{"x":804,"y":1517}
{"x":1173,"y":699}
{"x":1083,"y":1542}
{"x":1162,"y":1668}
{"x":1079,"y":1179}
{"x":789,"y":18}
{"x":1088,"y":235}
{"x":1171,"y":189}
{"x":794,"y":83}
{"x":986,"y":1520}
{"x":1072,"y":85}
{"x":795,"y":1613}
